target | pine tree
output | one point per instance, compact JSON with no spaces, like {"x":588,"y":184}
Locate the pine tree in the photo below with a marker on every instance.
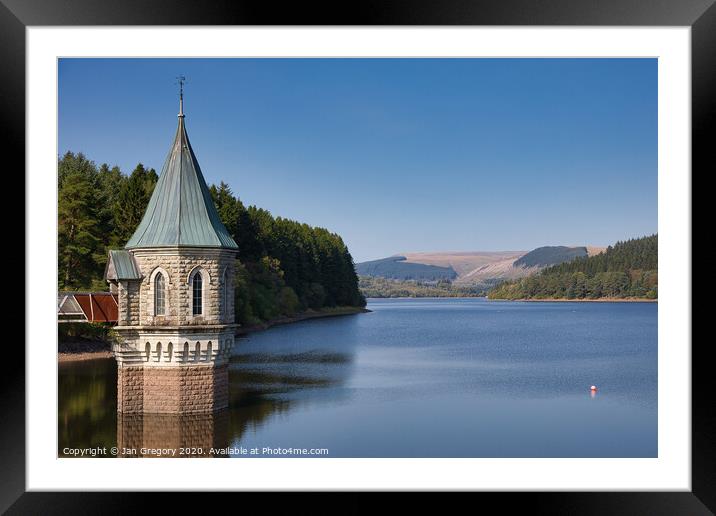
{"x":79,"y":231}
{"x":109,"y":183}
{"x":132,"y":199}
{"x":227,"y":206}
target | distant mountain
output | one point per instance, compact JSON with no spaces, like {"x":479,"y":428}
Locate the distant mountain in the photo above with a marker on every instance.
{"x":397,"y":267}
{"x":550,"y":255}
{"x":464,"y":263}
{"x":471,"y":270}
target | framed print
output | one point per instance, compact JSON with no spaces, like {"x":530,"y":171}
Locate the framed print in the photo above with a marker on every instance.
{"x":417,"y":253}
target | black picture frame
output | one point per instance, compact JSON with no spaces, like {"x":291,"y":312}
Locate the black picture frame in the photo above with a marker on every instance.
{"x":700,"y":15}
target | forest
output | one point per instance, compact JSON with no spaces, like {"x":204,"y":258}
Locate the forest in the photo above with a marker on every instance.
{"x":378,"y":287}
{"x":628,"y":269}
{"x":550,"y":255}
{"x":285,"y":267}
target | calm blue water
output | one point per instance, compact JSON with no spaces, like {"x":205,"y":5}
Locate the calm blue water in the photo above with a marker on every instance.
{"x":448,"y":378}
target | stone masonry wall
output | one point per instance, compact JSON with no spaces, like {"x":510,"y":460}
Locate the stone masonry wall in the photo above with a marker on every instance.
{"x":172,"y":390}
{"x":128,"y":302}
{"x":133,"y":307}
{"x":130,"y":389}
{"x":177,"y":266}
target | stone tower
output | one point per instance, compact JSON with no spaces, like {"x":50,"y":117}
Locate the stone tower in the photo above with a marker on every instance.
{"x":174,"y":280}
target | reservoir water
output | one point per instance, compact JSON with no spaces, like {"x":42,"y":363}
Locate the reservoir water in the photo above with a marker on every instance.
{"x":413,"y":378}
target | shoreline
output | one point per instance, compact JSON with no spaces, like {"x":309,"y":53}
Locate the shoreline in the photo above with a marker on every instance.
{"x":66,"y":356}
{"x":242,"y":331}
{"x":303,"y":316}
{"x":528,"y":300}
{"x":597,"y":300}
{"x":427,"y":297}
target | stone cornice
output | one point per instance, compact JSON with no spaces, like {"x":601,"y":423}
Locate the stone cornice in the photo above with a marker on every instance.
{"x":192,"y":328}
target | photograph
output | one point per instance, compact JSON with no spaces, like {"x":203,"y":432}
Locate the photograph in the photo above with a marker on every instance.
{"x":357,"y":257}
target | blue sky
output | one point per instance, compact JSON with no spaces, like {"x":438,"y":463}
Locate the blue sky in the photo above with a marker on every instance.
{"x":395,"y":155}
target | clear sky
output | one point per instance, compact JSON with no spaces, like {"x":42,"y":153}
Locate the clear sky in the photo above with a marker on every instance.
{"x":395,"y":155}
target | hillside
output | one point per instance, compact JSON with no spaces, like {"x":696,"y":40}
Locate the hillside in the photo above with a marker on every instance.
{"x":627,"y":270}
{"x":372,"y":286}
{"x":462,"y":262}
{"x":550,"y":255}
{"x":474,"y":271}
{"x":397,"y":267}
{"x":496,"y":271}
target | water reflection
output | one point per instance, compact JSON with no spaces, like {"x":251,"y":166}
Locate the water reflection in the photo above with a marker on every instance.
{"x":173,"y":435}
{"x":463,"y":378}
{"x":87,"y":404}
{"x":261,"y":385}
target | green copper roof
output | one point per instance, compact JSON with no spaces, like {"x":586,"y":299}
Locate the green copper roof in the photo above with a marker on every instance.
{"x":181,"y":211}
{"x":121,"y":266}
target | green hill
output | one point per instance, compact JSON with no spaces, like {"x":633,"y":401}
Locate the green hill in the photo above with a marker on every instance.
{"x":550,"y":255}
{"x":626,"y":270}
{"x":396,"y":267}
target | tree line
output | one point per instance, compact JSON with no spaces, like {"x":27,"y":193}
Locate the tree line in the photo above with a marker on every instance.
{"x":376,"y":286}
{"x":284,"y":266}
{"x":628,"y":269}
{"x":98,"y":208}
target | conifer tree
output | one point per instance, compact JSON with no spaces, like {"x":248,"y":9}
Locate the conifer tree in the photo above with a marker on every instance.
{"x":78,"y":220}
{"x":132,"y":199}
{"x":227,"y":206}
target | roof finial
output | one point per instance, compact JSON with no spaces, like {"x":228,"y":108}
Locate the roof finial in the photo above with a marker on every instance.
{"x":181,"y":79}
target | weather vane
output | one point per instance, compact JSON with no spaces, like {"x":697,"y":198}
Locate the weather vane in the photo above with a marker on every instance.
{"x":180,"y":80}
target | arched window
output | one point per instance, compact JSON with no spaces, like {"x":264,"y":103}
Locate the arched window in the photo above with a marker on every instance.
{"x":159,"y":351}
{"x":209,"y":352}
{"x":197,"y":290}
{"x":197,"y":352}
{"x":159,"y":295}
{"x":185,"y":358}
{"x":147,"y":351}
{"x":170,"y":352}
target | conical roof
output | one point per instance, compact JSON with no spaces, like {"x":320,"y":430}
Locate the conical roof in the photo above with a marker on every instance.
{"x":181,"y":211}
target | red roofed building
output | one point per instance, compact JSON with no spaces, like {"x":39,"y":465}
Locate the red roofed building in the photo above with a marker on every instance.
{"x":87,"y":307}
